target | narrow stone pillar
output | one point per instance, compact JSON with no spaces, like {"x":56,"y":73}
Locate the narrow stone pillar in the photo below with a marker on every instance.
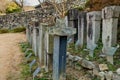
{"x":34,"y":40}
{"x":59,"y":55}
{"x":27,"y":33}
{"x":46,"y":50}
{"x":46,"y":46}
{"x":82,"y":29}
{"x":73,"y":22}
{"x":40,"y":53}
{"x":93,"y":30}
{"x":37,"y":39}
{"x":31,"y":35}
{"x":110,"y":17}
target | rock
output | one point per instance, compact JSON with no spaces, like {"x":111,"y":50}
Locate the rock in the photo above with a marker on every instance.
{"x":84,"y":78}
{"x":102,"y":55}
{"x":103,"y":67}
{"x":70,"y":57}
{"x":102,"y":75}
{"x":118,"y":71}
{"x":116,"y":77}
{"x":77,"y":58}
{"x":68,"y":53}
{"x":87,"y":64}
{"x":109,"y":75}
{"x":96,"y":71}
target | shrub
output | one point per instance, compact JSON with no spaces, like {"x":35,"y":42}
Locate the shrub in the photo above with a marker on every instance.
{"x":4,"y":30}
{"x":18,"y":29}
{"x":13,"y":7}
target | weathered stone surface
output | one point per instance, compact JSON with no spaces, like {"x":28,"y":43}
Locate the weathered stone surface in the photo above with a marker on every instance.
{"x":77,"y":58}
{"x":103,"y":67}
{"x":93,"y":30}
{"x":93,"y":26}
{"x":111,"y":12}
{"x":118,"y":71}
{"x":96,"y":71}
{"x":116,"y":77}
{"x":73,"y":14}
{"x":87,"y":64}
{"x":86,"y":77}
{"x":109,"y":75}
{"x":35,"y":41}
{"x":109,"y":32}
{"x":70,"y":57}
{"x":62,"y":31}
{"x":94,"y":15}
{"x":13,"y":20}
{"x":82,"y":28}
{"x":102,"y":75}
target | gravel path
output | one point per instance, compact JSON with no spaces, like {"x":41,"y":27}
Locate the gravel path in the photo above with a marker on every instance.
{"x":10,"y":55}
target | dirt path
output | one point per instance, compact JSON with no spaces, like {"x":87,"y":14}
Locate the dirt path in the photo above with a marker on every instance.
{"x":10,"y":55}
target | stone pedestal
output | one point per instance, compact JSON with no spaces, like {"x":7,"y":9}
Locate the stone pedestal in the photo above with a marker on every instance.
{"x":110,"y":17}
{"x":59,"y":55}
{"x":93,"y":30}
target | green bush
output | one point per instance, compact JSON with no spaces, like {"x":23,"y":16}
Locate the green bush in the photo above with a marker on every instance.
{"x":13,"y":7}
{"x":4,"y":30}
{"x":18,"y":29}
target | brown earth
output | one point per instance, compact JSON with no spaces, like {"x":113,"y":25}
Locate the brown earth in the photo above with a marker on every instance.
{"x":10,"y":55}
{"x":96,"y":5}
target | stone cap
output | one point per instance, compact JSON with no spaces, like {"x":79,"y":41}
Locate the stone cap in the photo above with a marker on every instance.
{"x":45,"y":25}
{"x":94,"y":15}
{"x":111,"y":12}
{"x":67,"y":31}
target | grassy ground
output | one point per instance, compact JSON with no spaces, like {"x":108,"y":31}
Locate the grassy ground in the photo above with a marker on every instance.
{"x":15,"y":30}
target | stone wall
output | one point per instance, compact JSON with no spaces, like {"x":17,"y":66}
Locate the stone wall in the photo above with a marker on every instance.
{"x":21,"y":19}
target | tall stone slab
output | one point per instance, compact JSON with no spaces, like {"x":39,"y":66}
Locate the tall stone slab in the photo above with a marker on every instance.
{"x":27,"y":33}
{"x":40,"y":50}
{"x":34,"y":40}
{"x":37,"y":39}
{"x":31,"y":35}
{"x":110,"y":17}
{"x":82,"y":29}
{"x":93,"y":30}
{"x":73,"y":22}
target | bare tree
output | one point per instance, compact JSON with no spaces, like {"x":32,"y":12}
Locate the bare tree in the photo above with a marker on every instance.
{"x":3,"y":5}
